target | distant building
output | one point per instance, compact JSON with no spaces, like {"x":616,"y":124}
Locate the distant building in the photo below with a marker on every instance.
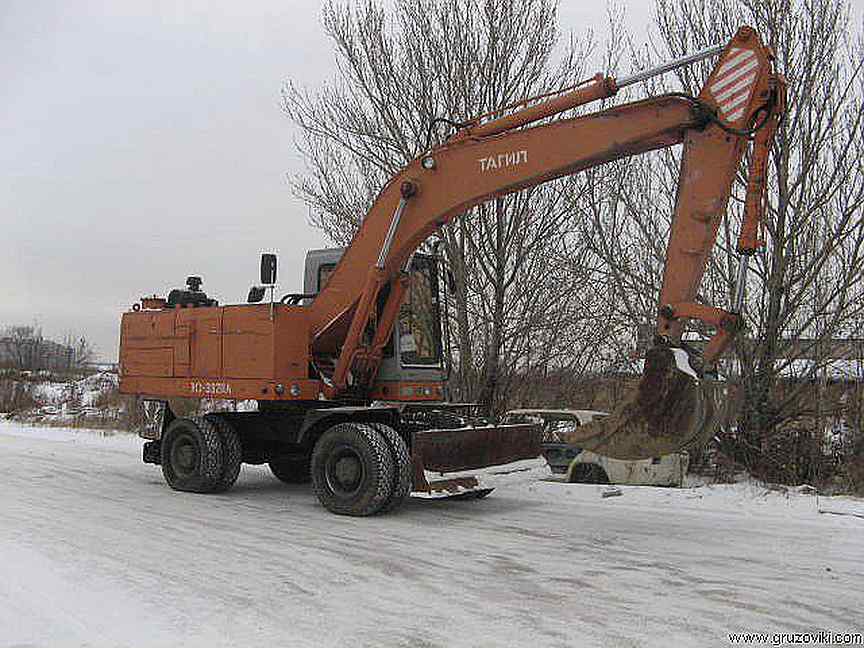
{"x":29,"y":351}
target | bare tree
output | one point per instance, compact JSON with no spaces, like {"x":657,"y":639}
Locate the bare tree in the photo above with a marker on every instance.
{"x":805,"y":288}
{"x":24,"y":348}
{"x":453,"y":59}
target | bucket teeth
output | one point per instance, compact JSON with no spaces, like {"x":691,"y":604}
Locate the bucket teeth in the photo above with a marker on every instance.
{"x":672,"y":409}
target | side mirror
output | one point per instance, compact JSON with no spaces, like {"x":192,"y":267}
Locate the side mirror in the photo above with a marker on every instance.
{"x":256,"y":294}
{"x":268,"y":269}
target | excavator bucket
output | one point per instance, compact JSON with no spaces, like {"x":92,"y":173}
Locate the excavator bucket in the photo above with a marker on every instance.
{"x":672,"y":409}
{"x":514,"y":448}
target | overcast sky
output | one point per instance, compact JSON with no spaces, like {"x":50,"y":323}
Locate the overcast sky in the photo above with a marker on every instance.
{"x":144,"y":141}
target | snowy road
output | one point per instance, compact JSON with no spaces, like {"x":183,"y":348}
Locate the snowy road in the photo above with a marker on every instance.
{"x":96,"y":551}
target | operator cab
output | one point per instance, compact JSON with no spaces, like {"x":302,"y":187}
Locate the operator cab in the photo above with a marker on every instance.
{"x":413,"y":356}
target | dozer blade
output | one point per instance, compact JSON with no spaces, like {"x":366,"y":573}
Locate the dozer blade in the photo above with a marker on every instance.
{"x":672,"y":409}
{"x":464,"y":449}
{"x":476,"y":447}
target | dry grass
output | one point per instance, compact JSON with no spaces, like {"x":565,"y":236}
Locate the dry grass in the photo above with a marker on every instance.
{"x":14,"y":396}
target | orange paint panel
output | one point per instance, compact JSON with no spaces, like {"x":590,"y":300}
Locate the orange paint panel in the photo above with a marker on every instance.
{"x":142,"y":328}
{"x":147,"y":362}
{"x":205,"y":339}
{"x":247,"y":342}
{"x":292,"y":343}
{"x":209,"y":348}
{"x":182,"y":348}
{"x":147,"y":340}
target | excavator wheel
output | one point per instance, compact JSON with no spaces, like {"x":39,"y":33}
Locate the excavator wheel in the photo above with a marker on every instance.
{"x":192,"y":455}
{"x":352,"y":470}
{"x":232,"y":453}
{"x":291,"y":469}
{"x":403,"y":477}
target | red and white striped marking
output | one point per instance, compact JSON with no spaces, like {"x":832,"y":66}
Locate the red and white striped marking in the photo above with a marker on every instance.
{"x":734,"y":82}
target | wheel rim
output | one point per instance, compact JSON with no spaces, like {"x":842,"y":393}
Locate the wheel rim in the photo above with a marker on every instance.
{"x":184,"y":456}
{"x":344,"y":471}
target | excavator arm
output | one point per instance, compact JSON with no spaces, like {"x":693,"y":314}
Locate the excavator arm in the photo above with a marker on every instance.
{"x":741,"y":103}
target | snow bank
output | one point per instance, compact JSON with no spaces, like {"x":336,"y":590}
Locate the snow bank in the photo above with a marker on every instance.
{"x":83,"y":392}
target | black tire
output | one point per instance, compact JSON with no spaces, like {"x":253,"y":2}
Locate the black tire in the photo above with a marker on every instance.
{"x":352,"y":470}
{"x":403,"y":476}
{"x":291,"y":469}
{"x":191,"y":455}
{"x":588,"y":473}
{"x":232,"y":453}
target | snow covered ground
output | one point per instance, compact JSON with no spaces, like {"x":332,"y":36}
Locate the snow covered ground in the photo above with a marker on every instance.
{"x":84,"y":391}
{"x":96,"y":551}
{"x":77,"y":401}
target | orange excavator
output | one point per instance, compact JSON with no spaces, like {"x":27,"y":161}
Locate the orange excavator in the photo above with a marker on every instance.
{"x":348,"y":377}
